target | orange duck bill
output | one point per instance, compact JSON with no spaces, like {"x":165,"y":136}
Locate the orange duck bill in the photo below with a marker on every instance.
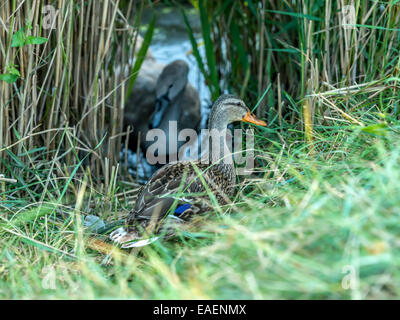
{"x":251,"y":118}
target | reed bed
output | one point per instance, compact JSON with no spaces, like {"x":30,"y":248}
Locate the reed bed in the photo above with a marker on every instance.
{"x":67,"y":102}
{"x":295,"y":51}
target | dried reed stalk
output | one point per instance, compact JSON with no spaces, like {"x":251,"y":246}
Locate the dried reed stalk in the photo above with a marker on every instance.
{"x":75,"y":81}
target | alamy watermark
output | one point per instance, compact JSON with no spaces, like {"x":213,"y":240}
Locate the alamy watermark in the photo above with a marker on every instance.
{"x":49,"y":17}
{"x":49,"y":278}
{"x":348,"y":16}
{"x":350,"y":279}
{"x":52,"y":278}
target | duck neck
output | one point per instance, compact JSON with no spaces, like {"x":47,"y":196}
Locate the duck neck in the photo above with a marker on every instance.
{"x":217,"y":121}
{"x":177,"y":96}
{"x":219,"y":151}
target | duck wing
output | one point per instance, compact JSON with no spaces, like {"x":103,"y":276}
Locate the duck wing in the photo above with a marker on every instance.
{"x":154,"y":203}
{"x":162,"y":190}
{"x":176,"y":185}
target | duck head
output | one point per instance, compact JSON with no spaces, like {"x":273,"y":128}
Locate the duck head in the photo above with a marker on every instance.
{"x":229,"y":108}
{"x":171,"y":82}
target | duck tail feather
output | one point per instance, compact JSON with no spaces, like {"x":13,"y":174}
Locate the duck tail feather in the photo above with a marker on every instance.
{"x":129,"y":239}
{"x":139,"y":243}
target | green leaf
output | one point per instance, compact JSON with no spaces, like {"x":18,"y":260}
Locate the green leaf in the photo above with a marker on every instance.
{"x":35,"y":40}
{"x":379,"y":129}
{"x":141,"y":56}
{"x":238,"y":44}
{"x":296,"y":14}
{"x":14,"y":71}
{"x":252,"y":7}
{"x":9,"y":77}
{"x":283,"y":50}
{"x":29,"y":216}
{"x":211,"y":61}
{"x":262,"y":97}
{"x":18,"y":38}
{"x":195,"y":4}
{"x":195,"y":48}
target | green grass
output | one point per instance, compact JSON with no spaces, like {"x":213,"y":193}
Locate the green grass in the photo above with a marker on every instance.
{"x":293,"y":234}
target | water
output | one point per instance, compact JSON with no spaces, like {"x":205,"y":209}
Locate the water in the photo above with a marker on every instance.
{"x":171,"y":42}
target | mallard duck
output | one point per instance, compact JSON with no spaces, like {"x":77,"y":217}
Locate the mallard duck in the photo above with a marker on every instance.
{"x":155,"y":102}
{"x":171,"y":196}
